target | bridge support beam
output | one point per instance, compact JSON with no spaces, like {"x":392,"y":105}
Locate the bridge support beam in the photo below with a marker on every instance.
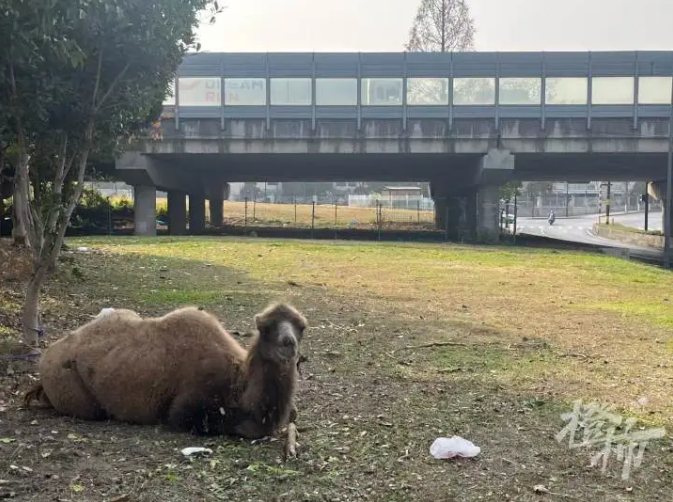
{"x":216,"y":211}
{"x":197,"y":213}
{"x":177,"y":213}
{"x":488,"y":203}
{"x":467,"y":202}
{"x":447,"y":214}
{"x":657,"y":191}
{"x":216,"y":197}
{"x":145,"y":210}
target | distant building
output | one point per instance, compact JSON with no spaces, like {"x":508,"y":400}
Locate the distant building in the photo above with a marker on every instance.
{"x":401,"y":193}
{"x":592,"y":188}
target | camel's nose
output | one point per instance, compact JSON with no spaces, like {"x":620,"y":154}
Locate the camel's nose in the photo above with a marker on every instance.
{"x":288,"y":341}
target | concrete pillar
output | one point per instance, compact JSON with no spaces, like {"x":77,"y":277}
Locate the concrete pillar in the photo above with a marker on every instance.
{"x":657,"y":192}
{"x":488,"y":199}
{"x":216,"y":212}
{"x":197,"y":213}
{"x":447,"y":207}
{"x":471,"y":212}
{"x":145,"y":210}
{"x":448,"y":214}
{"x":177,"y":213}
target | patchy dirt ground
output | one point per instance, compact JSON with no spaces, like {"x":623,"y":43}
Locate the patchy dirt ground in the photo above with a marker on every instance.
{"x":375,"y":392}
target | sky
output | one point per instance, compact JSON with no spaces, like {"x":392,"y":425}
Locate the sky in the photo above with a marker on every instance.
{"x":383,"y":25}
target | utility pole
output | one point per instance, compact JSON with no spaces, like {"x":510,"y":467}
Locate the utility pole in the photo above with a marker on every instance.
{"x":516,"y":193}
{"x":646,"y":200}
{"x":607,"y":207}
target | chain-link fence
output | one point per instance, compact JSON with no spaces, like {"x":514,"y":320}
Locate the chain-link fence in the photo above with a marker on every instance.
{"x":328,"y":215}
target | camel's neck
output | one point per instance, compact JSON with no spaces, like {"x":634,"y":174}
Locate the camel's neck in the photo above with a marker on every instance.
{"x":269,"y":391}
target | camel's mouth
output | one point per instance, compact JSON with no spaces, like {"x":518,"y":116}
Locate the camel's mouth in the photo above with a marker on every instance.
{"x":288,"y":353}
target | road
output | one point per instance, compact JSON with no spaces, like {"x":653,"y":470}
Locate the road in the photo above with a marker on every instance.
{"x":580,"y":229}
{"x":637,"y":220}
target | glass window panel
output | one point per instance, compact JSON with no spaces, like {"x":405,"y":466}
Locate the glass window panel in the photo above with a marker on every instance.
{"x":382,"y":91}
{"x":612,"y":90}
{"x":169,"y":99}
{"x":200,"y":91}
{"x":654,"y":90}
{"x":291,"y":91}
{"x":566,"y":91}
{"x":427,"y":91}
{"x":474,"y":91}
{"x":336,"y":91}
{"x":520,"y":91}
{"x":244,"y":91}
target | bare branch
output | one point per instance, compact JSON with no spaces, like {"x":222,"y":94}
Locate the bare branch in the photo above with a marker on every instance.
{"x":442,"y":26}
{"x":99,"y":68}
{"x":61,"y":164}
{"x":69,"y":164}
{"x":113,"y":85}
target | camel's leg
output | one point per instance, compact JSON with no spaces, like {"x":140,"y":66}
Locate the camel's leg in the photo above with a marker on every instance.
{"x":199,"y":415}
{"x":68,"y":394}
{"x":187,"y":414}
{"x":293,"y":414}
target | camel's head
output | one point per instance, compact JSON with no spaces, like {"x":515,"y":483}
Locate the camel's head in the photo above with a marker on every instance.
{"x":281,"y":328}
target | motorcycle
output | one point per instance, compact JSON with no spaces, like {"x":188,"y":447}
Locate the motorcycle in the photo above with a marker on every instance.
{"x":551,"y":220}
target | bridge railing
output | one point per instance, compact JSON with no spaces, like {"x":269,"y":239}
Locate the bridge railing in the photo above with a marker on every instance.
{"x":413,"y":85}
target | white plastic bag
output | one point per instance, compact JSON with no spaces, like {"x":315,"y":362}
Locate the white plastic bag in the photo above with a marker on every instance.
{"x":196,"y":450}
{"x":454,"y":446}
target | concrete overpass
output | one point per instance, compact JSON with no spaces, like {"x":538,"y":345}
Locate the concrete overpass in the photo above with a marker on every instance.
{"x":467,"y":122}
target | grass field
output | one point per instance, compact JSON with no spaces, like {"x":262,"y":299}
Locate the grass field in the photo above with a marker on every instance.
{"x":407,"y":343}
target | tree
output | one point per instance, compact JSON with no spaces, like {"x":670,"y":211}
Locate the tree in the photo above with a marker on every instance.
{"x":82,"y":77}
{"x":508,"y":190}
{"x":442,"y":26}
{"x":537,"y":189}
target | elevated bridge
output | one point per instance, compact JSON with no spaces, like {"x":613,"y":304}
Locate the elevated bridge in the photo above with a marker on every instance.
{"x":467,"y":122}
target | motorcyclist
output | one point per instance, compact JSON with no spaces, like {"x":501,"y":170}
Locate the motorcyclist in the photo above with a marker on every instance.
{"x":551,"y":218}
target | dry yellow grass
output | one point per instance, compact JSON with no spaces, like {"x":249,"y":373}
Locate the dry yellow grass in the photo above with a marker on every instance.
{"x":325,"y":216}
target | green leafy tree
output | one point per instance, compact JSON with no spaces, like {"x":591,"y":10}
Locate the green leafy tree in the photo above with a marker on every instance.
{"x":539,"y":188}
{"x":509,"y":189}
{"x":82,"y":77}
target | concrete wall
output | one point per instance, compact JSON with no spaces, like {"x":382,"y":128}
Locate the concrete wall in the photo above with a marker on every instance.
{"x":635,"y":238}
{"x":422,"y":135}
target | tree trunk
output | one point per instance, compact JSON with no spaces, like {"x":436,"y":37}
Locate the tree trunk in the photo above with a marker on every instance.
{"x":21,"y":215}
{"x":31,"y":306}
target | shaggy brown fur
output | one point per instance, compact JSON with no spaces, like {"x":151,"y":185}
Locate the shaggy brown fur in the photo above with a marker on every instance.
{"x":183,"y":369}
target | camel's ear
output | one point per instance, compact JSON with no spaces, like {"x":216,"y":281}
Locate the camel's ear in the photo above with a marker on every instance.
{"x":260,"y":322}
{"x":264,"y":322}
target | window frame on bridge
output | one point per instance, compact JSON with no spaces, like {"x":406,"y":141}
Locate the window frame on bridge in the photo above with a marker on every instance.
{"x":284,"y":85}
{"x":325,"y":97}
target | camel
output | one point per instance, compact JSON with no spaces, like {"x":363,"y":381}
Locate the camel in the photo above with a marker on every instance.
{"x":183,"y":370}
